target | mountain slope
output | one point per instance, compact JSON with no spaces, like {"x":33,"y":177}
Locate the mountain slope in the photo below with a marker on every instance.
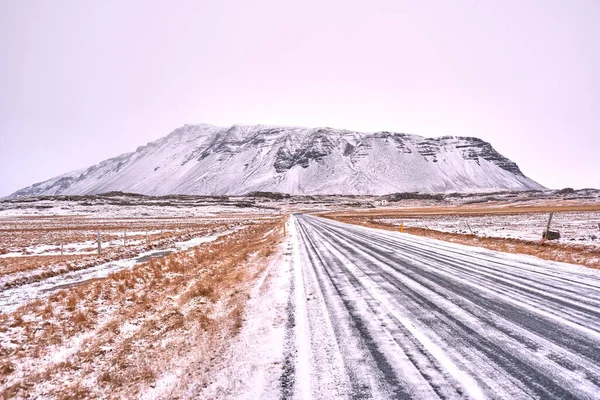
{"x":204,"y":159}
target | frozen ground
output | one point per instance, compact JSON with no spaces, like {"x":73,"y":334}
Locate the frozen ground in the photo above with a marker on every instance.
{"x":356,"y":313}
{"x":150,"y":329}
{"x":122,"y":205}
{"x":32,"y":265}
{"x":575,"y":227}
{"x":252,"y":368}
{"x":341,"y":311}
{"x":14,"y":297}
{"x":69,"y":208}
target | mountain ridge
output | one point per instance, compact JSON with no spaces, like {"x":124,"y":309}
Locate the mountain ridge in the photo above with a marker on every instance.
{"x":210,"y":160}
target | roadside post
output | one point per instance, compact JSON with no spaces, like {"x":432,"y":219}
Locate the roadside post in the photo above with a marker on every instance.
{"x":545,"y":234}
{"x":468,"y":226}
{"x":402,"y":227}
{"x":549,"y":222}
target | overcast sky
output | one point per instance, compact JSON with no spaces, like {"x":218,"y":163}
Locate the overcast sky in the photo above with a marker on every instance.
{"x":83,"y":81}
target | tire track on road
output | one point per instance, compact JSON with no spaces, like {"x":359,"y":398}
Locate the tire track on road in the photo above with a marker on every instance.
{"x":458,"y":303}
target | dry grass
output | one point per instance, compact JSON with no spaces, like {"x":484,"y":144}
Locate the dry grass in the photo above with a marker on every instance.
{"x":122,"y":333}
{"x":11,"y":265}
{"x":573,"y":254}
{"x":20,"y":235}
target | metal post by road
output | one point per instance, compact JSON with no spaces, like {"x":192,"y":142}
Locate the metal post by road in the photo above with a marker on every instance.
{"x":549,"y":222}
{"x":547,"y":227}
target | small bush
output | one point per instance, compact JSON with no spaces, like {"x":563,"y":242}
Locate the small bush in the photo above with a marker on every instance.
{"x":270,"y":195}
{"x":201,"y":289}
{"x":6,"y":368}
{"x":71,"y":303}
{"x":18,"y":321}
{"x":415,"y":195}
{"x":238,"y":319}
{"x":79,"y":319}
{"x":566,"y":191}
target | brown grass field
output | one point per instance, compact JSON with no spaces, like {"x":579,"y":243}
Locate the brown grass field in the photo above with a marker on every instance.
{"x":20,"y":235}
{"x":113,"y":337}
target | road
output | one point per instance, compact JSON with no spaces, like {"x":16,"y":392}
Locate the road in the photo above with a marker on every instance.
{"x":379,"y":314}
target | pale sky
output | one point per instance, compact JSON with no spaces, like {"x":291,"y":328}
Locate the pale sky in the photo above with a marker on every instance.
{"x":83,"y":81}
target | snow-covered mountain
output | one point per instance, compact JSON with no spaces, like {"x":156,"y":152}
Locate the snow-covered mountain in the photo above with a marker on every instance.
{"x":205,"y":159}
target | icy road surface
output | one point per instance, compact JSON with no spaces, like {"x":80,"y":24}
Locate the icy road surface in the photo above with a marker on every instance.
{"x":379,"y":314}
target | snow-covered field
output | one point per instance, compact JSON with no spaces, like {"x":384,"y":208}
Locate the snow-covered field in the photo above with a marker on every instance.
{"x":14,"y":296}
{"x":146,"y":321}
{"x":211,"y":301}
{"x":575,"y":227}
{"x":124,"y":207}
{"x":40,"y":255}
{"x":50,"y":240}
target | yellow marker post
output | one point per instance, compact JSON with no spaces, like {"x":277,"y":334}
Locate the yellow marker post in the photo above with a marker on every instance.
{"x":284,"y":232}
{"x":402,"y":228}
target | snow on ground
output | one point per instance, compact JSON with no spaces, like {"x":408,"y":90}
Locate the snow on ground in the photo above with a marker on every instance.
{"x":574,"y":227}
{"x":185,"y":245}
{"x":349,"y":312}
{"x":84,"y":247}
{"x":253,"y":365}
{"x":126,"y":207}
{"x":13,"y":298}
{"x":204,"y":319}
{"x":391,"y":315}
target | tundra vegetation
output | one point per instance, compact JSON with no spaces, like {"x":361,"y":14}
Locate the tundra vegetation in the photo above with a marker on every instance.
{"x":116,"y":337}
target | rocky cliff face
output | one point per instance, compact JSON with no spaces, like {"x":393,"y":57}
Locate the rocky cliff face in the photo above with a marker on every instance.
{"x":204,"y":159}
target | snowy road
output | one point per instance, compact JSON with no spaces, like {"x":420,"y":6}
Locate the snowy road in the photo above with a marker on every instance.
{"x":379,"y":314}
